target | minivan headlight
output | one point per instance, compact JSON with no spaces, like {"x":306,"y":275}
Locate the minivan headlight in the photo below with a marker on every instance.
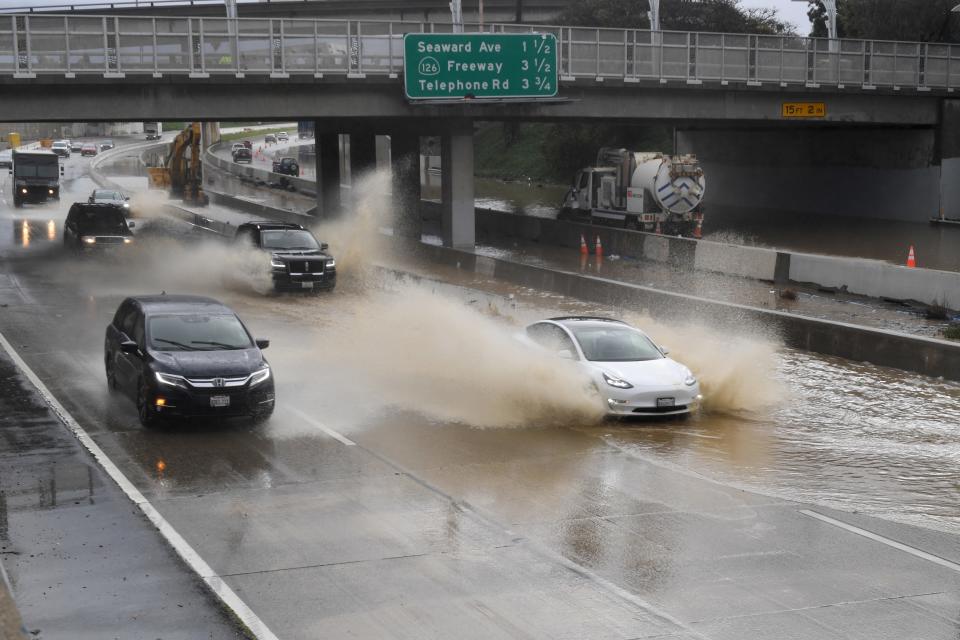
{"x":89,"y":239}
{"x":690,"y":380}
{"x":260,"y":376}
{"x":616,"y":382}
{"x":170,"y":379}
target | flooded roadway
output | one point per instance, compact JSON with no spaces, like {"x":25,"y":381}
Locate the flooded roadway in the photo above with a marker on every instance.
{"x":539,"y":527}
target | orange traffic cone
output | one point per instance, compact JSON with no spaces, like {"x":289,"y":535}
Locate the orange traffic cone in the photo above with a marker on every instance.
{"x":599,"y":248}
{"x":911,"y":259}
{"x":583,"y":246}
{"x":698,"y":230}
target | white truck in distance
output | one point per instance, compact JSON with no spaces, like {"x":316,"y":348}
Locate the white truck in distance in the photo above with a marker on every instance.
{"x":645,"y":191}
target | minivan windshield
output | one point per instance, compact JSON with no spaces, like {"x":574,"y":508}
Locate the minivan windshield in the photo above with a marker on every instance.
{"x":615,"y":343}
{"x":288,"y":239}
{"x":197,"y":332}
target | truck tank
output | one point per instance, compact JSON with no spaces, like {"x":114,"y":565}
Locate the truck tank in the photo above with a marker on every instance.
{"x":675,"y":183}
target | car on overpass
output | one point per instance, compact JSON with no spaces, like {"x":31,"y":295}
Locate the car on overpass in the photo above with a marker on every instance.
{"x":96,"y":228}
{"x":297,"y":260}
{"x":631,"y":372}
{"x":242,"y":155}
{"x":180,"y":356}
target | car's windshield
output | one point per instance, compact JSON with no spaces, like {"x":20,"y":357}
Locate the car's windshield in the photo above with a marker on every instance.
{"x":197,"y":332}
{"x":615,"y":343}
{"x":93,"y":222}
{"x":100,"y":194}
{"x":288,"y":239}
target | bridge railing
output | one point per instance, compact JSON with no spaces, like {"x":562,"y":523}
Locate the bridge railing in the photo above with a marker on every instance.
{"x":117,"y":46}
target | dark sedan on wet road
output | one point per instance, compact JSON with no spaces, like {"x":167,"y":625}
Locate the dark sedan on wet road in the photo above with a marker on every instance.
{"x":181,"y":356}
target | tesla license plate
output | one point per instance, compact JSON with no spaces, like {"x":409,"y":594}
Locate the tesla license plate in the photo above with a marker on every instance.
{"x":306,"y":285}
{"x":219,"y":401}
{"x":666,"y":402}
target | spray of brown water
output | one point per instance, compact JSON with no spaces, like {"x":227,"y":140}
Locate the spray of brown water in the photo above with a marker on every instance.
{"x":737,"y":373}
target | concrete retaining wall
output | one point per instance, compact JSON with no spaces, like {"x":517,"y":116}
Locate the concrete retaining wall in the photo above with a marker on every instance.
{"x":926,"y":356}
{"x":306,"y":187}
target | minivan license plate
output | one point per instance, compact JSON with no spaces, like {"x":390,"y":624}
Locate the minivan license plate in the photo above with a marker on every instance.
{"x":306,"y":285}
{"x":219,"y":401}
{"x":666,"y":402}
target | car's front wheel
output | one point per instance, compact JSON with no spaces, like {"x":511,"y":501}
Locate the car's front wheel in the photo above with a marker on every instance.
{"x":148,"y":416}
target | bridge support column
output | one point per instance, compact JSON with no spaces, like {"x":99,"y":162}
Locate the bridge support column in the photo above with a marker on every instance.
{"x":328,"y":173}
{"x":363,"y":156}
{"x":405,"y":178}
{"x":949,"y":146}
{"x":459,"y":216}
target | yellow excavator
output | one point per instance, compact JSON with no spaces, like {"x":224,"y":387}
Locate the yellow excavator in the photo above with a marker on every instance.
{"x":182,"y":173}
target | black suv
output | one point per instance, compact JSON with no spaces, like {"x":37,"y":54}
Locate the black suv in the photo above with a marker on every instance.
{"x":297,"y":260}
{"x":97,"y":227}
{"x":187,"y":356}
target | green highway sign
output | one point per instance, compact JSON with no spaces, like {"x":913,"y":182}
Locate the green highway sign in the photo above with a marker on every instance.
{"x":455,"y":66}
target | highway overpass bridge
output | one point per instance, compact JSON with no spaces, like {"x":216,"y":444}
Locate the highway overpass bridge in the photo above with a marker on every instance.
{"x":526,"y":11}
{"x":885,"y":145}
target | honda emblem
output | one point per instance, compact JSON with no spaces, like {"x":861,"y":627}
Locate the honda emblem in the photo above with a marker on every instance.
{"x":218,"y":382}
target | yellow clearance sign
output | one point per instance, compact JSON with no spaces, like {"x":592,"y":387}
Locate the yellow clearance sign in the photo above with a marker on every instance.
{"x":804,"y":110}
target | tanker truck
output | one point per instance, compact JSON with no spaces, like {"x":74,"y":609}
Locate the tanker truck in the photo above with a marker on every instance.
{"x":645,"y":191}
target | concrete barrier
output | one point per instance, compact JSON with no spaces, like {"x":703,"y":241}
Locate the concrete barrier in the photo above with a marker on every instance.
{"x":878,"y":279}
{"x":922,"y":355}
{"x":210,"y":157}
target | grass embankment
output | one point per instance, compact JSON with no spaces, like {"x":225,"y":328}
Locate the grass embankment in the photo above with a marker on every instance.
{"x":512,"y":152}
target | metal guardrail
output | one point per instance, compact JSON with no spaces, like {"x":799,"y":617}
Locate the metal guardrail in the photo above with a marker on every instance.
{"x":120,"y":46}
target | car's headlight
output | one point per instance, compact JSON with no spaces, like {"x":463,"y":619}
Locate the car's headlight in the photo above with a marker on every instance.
{"x":126,"y":205}
{"x":276,"y":263}
{"x":128,"y":241}
{"x":260,"y":376}
{"x":690,"y":380}
{"x":170,"y":379}
{"x":50,"y":191}
{"x":617,"y":382}
{"x":23,"y":190}
{"x":89,"y":240}
{"x":331,"y":263}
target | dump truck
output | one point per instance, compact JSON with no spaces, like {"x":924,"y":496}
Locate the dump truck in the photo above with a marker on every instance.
{"x":644,"y":191}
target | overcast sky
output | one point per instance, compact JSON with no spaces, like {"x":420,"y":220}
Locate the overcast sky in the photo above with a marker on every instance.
{"x":791,"y":11}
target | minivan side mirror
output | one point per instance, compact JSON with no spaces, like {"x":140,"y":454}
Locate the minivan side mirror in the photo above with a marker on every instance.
{"x":131,"y":224}
{"x":129,"y":346}
{"x":664,"y":350}
{"x":324,"y":246}
{"x":263,"y":344}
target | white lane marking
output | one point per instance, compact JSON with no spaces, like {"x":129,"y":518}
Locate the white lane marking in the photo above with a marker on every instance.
{"x":953,"y":566}
{"x":322,"y":427}
{"x":171,"y":535}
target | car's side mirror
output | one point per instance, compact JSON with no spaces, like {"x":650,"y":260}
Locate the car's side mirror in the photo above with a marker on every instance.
{"x":565,"y":353}
{"x":263,"y":344}
{"x":324,"y":246}
{"x":664,"y":350}
{"x":131,"y":224}
{"x":61,"y":169}
{"x":129,"y":346}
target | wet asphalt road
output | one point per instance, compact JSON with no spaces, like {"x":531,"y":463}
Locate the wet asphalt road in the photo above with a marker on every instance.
{"x":410,"y":524}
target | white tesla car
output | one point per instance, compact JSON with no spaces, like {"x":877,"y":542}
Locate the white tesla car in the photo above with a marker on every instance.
{"x":633,"y":375}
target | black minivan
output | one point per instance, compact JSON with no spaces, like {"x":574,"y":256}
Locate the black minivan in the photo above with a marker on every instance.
{"x":182,"y":356}
{"x":97,"y":227}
